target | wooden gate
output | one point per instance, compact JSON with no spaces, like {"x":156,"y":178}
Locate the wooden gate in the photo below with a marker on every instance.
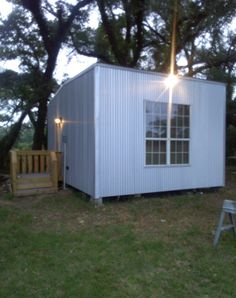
{"x":34,"y":172}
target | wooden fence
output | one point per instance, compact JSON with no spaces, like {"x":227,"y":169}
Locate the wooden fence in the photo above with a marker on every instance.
{"x":34,"y":172}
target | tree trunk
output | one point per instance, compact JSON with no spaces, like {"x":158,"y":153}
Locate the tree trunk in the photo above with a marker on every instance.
{"x":40,"y":138}
{"x":8,"y":141}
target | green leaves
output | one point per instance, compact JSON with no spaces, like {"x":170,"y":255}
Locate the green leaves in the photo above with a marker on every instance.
{"x":21,"y":40}
{"x":134,"y":33}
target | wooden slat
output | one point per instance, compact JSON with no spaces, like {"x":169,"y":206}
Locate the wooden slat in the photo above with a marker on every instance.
{"x":54,"y":168}
{"x":18,"y":164}
{"x":59,"y":166}
{"x":36,"y":191}
{"x":35,"y":185}
{"x":32,"y":180}
{"x":42,"y":163}
{"x":29,"y":164}
{"x":36,"y":163}
{"x":23,"y":164}
{"x":47,"y":164}
{"x":33,"y":152}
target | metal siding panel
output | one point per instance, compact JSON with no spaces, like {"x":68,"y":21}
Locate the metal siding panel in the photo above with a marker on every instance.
{"x":116,"y":149}
{"x":121,"y":142}
{"x":216,"y":158}
{"x":75,"y":104}
{"x":97,"y":131}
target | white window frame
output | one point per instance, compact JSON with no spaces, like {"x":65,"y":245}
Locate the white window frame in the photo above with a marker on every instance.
{"x":168,"y":138}
{"x":155,"y":138}
{"x":180,"y":139}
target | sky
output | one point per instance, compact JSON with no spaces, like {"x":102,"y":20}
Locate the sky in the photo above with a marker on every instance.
{"x":76,"y":64}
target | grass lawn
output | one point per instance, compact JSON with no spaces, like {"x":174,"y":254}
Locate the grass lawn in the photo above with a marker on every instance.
{"x":62,"y":246}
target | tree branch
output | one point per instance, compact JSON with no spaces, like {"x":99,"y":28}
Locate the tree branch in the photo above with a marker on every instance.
{"x":110,"y":31}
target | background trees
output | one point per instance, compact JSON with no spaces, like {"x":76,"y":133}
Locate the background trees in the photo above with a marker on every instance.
{"x":134,"y":33}
{"x":34,"y":33}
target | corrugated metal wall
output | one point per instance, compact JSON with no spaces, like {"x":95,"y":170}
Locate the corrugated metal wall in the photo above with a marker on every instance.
{"x":122,"y":167}
{"x":74,"y":102}
{"x":105,"y":131}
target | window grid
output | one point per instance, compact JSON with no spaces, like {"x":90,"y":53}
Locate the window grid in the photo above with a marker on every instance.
{"x":179,"y":136}
{"x":156,"y":133}
{"x":179,"y":152}
{"x":158,"y":145}
{"x":179,"y":121}
{"x":155,"y":152}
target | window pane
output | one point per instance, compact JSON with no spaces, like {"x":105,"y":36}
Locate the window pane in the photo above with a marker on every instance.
{"x":156,"y":147}
{"x":173,"y":132}
{"x":172,"y":158}
{"x":186,"y":132}
{"x":179,"y":158}
{"x":185,"y":158}
{"x":179,"y":109}
{"x":163,"y":146}
{"x":179,"y":121}
{"x":185,"y":146}
{"x":179,"y":146}
{"x":155,"y":158}
{"x":173,"y":121}
{"x":148,"y":132}
{"x":156,"y":132}
{"x":172,"y":146}
{"x":149,"y":146}
{"x":156,"y":120}
{"x":179,"y":132}
{"x":149,"y":106}
{"x":148,"y":159}
{"x":186,"y":121}
{"x":186,"y":110}
{"x":149,"y":120}
{"x":174,"y":109}
{"x":163,"y":121}
{"x":156,"y":108}
{"x":163,"y":108}
{"x":163,"y":158}
{"x":163,"y":132}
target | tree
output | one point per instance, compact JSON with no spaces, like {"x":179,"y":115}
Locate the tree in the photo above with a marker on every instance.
{"x":197,"y":22}
{"x":34,"y":33}
{"x":14,"y":104}
{"x":119,"y":38}
{"x":138,"y":33}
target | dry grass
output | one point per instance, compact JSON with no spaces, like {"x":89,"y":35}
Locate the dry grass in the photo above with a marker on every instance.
{"x":62,"y":246}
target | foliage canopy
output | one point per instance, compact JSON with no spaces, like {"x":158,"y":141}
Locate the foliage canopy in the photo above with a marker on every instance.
{"x":133,"y":33}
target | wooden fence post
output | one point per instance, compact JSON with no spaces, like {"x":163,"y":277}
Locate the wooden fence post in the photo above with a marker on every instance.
{"x":54,"y":169}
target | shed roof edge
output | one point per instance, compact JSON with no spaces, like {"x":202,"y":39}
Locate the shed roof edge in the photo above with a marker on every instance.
{"x":112,"y":66}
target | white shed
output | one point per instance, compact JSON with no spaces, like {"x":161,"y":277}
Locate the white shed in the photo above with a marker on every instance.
{"x":125,"y":133}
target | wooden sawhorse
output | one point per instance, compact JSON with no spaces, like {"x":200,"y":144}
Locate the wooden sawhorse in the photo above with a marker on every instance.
{"x":229,"y":207}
